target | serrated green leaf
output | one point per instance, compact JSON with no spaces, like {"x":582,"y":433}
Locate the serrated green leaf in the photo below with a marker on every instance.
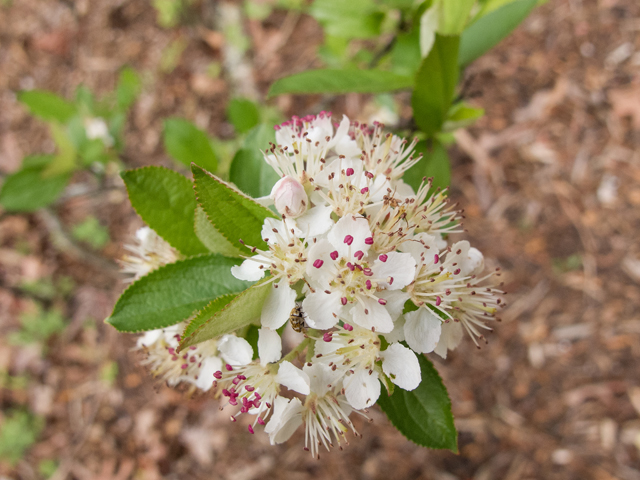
{"x":243,"y":114}
{"x":47,"y":105}
{"x":188,"y":144}
{"x":249,"y":170}
{"x":165,"y":201}
{"x":235,"y":215}
{"x":211,"y":237}
{"x":209,"y":310}
{"x":28,"y":190}
{"x":423,"y":415}
{"x":435,"y":163}
{"x":488,"y":30}
{"x":340,"y":81}
{"x":242,"y":310}
{"x":128,"y":88}
{"x":435,"y":85}
{"x":173,"y":292}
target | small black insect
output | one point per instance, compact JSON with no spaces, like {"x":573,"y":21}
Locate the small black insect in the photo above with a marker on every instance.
{"x":297,"y":318}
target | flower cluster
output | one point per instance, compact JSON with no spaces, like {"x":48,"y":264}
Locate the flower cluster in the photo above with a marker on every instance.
{"x":366,"y":264}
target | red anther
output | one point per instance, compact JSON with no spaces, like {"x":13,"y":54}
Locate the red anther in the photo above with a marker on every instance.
{"x":390,"y":281}
{"x":368,"y":174}
{"x":192,"y":347}
{"x":348,"y":239}
{"x":368,"y":272}
{"x":218,"y":374}
{"x":382,"y":301}
{"x":351,"y":266}
{"x":171,"y":351}
{"x":364,"y":190}
{"x":436,"y":258}
{"x":184,"y":366}
{"x":383,"y":258}
{"x":334,"y":255}
{"x":368,"y":284}
{"x":318,"y":263}
{"x":350,"y":171}
{"x":368,"y":240}
{"x":257,"y":395}
{"x":260,"y":421}
{"x":359,"y":254}
{"x":327,"y":337}
{"x":228,"y":367}
{"x":241,"y":377}
{"x":250,"y":428}
{"x":344,"y":300}
{"x":348,"y":327}
{"x":456,"y":271}
{"x":249,"y":388}
{"x":438,"y":301}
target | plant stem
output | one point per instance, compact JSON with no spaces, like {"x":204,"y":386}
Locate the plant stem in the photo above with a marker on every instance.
{"x":296,"y":351}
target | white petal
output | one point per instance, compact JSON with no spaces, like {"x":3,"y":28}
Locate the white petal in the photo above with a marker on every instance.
{"x":343,"y":129}
{"x":235,"y":350}
{"x":322,"y":309}
{"x":322,"y":377}
{"x":401,"y":267}
{"x":379,"y":188}
{"x":361,"y":389}
{"x":403,"y":190}
{"x":420,"y":246}
{"x":271,"y":237}
{"x":320,"y":276}
{"x":316,"y":221}
{"x":395,"y":302}
{"x":402,"y":366}
{"x":450,"y":338}
{"x":397,"y":334}
{"x":149,"y":338}
{"x":210,"y":365}
{"x":265,"y":201}
{"x":474,"y":263}
{"x":372,"y":315}
{"x":422,"y":330}
{"x":250,"y":269}
{"x":286,"y":418}
{"x":278,"y":305}
{"x":269,"y":346}
{"x":293,"y":378}
{"x":355,"y":227}
{"x":457,"y":260}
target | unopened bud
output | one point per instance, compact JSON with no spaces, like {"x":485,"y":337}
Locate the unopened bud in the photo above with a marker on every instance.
{"x":289,"y":197}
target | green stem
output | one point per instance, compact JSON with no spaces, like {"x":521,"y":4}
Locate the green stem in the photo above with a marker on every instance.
{"x":296,"y":351}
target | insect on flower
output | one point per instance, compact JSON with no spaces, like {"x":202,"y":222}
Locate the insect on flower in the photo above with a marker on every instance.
{"x":297,"y":318}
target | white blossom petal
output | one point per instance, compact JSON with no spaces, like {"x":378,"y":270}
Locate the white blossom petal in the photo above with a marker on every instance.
{"x":320,"y":265}
{"x":269,"y":346}
{"x":401,"y":267}
{"x":421,"y":245}
{"x":450,"y":338}
{"x":316,"y":221}
{"x":235,"y":350}
{"x":271,"y":237}
{"x":349,"y":235}
{"x":370,"y":314}
{"x":278,"y":305}
{"x":293,"y":378}
{"x":422,"y":330}
{"x":286,"y":418}
{"x":149,"y":338}
{"x":250,"y":269}
{"x":322,"y":309}
{"x":402,"y":366}
{"x":473,"y":263}
{"x":362,"y":389}
{"x":210,"y":365}
{"x":323,"y":378}
{"x":395,"y":302}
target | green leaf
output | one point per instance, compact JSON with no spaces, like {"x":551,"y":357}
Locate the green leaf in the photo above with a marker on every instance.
{"x":423,"y":415}
{"x":65,"y":160}
{"x":340,"y":81}
{"x":173,"y":292}
{"x":249,"y":171}
{"x":435,"y":85}
{"x":165,"y":201}
{"x":209,"y":310}
{"x":435,"y":163}
{"x":453,"y":16}
{"x":243,"y":114}
{"x":188,"y":144}
{"x":211,"y":237}
{"x":128,"y":88}
{"x":28,"y":190}
{"x":461,"y":115}
{"x":351,"y":19}
{"x":47,"y":105}
{"x":85,"y":98}
{"x":235,"y":215}
{"x":490,"y":29}
{"x":243,"y":310}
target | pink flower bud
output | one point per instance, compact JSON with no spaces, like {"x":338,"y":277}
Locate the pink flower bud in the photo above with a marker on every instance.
{"x":289,"y":197}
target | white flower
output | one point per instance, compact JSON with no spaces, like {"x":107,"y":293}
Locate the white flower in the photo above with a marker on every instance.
{"x":450,"y":338}
{"x":289,"y":197}
{"x":286,"y":418}
{"x":195,"y":366}
{"x":356,"y":352}
{"x":97,"y":128}
{"x":422,"y":330}
{"x":345,"y":281}
{"x":149,"y":253}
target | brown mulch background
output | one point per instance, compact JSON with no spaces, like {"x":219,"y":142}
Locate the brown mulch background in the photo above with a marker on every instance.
{"x":550,"y":183}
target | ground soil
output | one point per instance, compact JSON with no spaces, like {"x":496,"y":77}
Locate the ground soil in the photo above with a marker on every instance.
{"x":550,"y":183}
